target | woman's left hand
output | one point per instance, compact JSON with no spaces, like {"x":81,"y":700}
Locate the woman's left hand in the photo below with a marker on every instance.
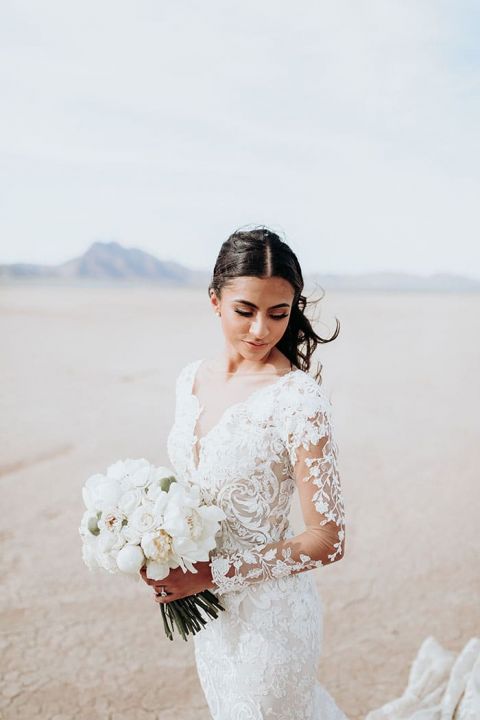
{"x":179,"y":584}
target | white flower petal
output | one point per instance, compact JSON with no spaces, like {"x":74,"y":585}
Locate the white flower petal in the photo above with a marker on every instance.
{"x":130,"y":559}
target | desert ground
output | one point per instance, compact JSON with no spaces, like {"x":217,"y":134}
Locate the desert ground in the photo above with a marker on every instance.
{"x":88,"y":378}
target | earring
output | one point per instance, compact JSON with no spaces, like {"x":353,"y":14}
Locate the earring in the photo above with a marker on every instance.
{"x":218,"y":313}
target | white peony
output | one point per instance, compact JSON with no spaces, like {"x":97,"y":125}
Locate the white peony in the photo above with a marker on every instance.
{"x":99,"y":492}
{"x":126,"y":468}
{"x":141,"y":477}
{"x":158,"y":549}
{"x":130,"y":559}
{"x":194,"y":532}
{"x":110,"y":542}
{"x":106,"y":560}
{"x":112,"y":519}
{"x":138,"y":514}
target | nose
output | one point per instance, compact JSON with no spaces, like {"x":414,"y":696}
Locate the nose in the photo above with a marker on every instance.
{"x":259,"y":328}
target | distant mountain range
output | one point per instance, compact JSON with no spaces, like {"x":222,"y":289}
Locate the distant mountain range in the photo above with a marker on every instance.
{"x":105,"y":261}
{"x":110,"y":262}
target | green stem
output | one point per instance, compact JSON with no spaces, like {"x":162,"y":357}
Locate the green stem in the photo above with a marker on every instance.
{"x":186,"y":615}
{"x":208,"y":607}
{"x":195,"y":623}
{"x":195,"y":611}
{"x":187,"y":609}
{"x":168,"y":632}
{"x":212,"y":598}
{"x":179,"y":620}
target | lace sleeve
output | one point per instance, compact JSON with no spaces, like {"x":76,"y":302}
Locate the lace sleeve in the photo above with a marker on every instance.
{"x":313,"y":458}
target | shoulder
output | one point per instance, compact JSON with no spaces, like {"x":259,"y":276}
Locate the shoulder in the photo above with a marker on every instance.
{"x":302,"y":394}
{"x":304,"y":410}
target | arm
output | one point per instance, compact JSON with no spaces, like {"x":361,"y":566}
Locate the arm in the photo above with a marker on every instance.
{"x":313,"y":454}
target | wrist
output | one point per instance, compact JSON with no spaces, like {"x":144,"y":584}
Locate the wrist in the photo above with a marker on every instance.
{"x":210,"y":572}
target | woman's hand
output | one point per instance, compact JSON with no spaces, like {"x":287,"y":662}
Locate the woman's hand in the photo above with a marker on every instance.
{"x":180,"y":584}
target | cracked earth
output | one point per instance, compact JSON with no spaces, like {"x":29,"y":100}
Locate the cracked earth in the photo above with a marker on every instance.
{"x":87,"y":380}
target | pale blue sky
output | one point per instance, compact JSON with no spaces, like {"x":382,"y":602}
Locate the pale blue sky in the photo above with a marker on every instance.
{"x":351,"y":127}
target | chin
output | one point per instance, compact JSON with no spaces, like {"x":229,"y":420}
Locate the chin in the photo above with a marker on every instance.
{"x":261,"y":348}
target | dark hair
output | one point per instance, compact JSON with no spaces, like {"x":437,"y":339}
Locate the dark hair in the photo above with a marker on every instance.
{"x":261,"y":253}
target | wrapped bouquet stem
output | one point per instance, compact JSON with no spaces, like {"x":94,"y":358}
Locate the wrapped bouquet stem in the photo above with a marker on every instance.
{"x":140,"y":517}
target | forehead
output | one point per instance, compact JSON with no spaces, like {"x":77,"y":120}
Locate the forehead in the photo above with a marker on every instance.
{"x":259,"y":290}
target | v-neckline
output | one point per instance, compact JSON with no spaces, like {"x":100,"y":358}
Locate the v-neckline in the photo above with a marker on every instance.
{"x":198,"y":442}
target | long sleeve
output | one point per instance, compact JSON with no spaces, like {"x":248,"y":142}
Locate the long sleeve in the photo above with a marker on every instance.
{"x":313,"y":463}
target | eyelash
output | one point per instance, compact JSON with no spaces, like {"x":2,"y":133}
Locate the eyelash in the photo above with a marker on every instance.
{"x":274,"y":317}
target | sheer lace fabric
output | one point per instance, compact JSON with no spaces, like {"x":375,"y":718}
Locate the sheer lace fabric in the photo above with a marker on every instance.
{"x":259,"y":659}
{"x":442,"y":685}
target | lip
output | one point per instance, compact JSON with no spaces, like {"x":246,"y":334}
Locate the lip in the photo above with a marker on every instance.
{"x":255,"y":344}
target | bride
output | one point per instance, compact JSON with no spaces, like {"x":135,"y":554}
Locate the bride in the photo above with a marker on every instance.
{"x":252,"y":427}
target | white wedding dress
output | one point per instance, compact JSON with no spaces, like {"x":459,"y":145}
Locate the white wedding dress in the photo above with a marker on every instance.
{"x":442,"y":685}
{"x":250,"y":448}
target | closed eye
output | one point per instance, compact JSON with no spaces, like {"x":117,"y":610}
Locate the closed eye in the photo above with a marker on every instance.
{"x":274,"y":317}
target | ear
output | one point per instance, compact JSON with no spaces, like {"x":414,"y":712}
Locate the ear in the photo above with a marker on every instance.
{"x":214,"y":302}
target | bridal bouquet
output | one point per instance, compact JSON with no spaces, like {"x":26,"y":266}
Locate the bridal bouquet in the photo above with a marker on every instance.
{"x":140,"y":515}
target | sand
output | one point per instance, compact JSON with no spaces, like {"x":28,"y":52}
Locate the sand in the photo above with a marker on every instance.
{"x":88,"y":378}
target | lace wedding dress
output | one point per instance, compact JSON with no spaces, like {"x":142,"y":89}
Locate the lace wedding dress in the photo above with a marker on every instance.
{"x":259,"y":659}
{"x":442,"y":685}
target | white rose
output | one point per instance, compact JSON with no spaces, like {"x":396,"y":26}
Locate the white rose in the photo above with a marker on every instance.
{"x":130,"y":500}
{"x":145,"y":518}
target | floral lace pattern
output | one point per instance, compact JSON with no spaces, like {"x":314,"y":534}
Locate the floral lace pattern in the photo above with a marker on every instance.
{"x":259,"y":658}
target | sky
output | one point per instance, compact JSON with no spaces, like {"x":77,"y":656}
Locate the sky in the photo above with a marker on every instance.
{"x":350,"y":128}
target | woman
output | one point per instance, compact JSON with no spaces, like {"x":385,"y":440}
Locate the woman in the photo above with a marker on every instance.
{"x":252,"y":426}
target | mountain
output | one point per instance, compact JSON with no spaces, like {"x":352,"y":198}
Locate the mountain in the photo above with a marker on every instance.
{"x":110,"y":262}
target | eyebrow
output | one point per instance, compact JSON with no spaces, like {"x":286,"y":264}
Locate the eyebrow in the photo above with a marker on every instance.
{"x":250,"y":304}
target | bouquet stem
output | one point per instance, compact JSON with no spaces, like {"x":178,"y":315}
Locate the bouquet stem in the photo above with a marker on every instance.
{"x":185,"y":613}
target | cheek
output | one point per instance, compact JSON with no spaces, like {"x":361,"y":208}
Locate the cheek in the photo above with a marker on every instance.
{"x":281,"y":327}
{"x":235,"y":323}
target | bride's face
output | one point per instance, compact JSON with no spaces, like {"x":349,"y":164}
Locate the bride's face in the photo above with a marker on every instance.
{"x":254,"y":314}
